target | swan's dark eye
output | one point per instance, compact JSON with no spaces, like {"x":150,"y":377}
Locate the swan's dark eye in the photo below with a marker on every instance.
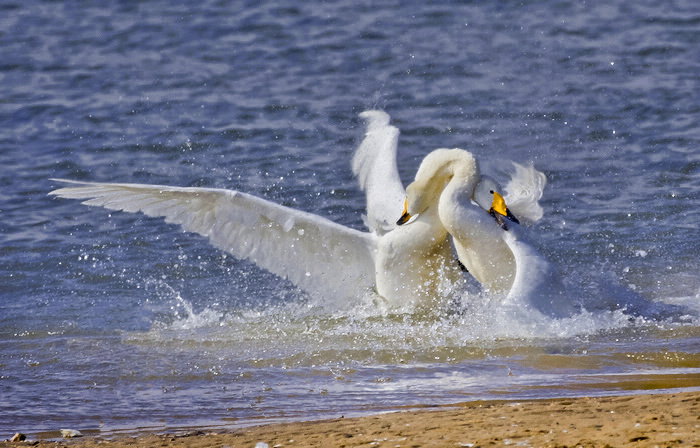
{"x":491,"y":191}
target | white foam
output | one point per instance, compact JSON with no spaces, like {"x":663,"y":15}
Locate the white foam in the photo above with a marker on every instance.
{"x":308,"y":331}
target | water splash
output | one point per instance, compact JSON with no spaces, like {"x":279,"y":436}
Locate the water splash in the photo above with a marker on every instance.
{"x":307,"y":333}
{"x":181,"y":314}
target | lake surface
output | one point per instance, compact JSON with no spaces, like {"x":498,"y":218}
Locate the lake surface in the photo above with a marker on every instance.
{"x":117,"y":323}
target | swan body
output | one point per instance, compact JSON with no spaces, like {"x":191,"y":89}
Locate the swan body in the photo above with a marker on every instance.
{"x":415,"y":264}
{"x":477,"y":237}
{"x":537,"y":282}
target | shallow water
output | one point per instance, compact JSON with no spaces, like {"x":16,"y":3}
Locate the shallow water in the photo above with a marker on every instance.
{"x":114,"y":322}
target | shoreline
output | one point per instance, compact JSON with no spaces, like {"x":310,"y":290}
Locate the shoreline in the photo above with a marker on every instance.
{"x":666,"y":419}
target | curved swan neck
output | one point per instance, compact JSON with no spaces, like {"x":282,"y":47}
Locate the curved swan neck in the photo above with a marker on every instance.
{"x":460,"y":173}
{"x":442,"y":167}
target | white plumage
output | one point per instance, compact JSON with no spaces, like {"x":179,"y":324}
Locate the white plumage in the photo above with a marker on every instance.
{"x":314,"y":253}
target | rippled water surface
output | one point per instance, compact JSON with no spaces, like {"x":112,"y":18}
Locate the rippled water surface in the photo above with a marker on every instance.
{"x":116,"y":322}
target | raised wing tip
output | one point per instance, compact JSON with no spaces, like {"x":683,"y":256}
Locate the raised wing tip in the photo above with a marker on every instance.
{"x":524,"y":191}
{"x":375,"y":117}
{"x":69,"y":181}
{"x":63,"y":181}
{"x":530,"y":172}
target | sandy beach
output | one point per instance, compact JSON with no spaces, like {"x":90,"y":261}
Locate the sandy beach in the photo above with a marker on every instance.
{"x":664,"y":420}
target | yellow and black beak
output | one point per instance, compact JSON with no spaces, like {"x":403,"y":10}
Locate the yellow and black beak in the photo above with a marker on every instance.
{"x":406,"y":216}
{"x":499,"y":211}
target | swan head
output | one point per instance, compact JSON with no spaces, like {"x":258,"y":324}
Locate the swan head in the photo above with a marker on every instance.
{"x":488,"y":196}
{"x":483,"y":192}
{"x":405,"y":217}
{"x":499,"y":210}
{"x":417,"y":202}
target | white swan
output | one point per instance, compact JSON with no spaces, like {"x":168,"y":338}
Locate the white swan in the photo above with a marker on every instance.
{"x":493,"y":250}
{"x":404,"y":265}
{"x":413,"y":263}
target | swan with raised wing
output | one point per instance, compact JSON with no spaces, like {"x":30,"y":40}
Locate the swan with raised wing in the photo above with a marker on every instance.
{"x":403,"y":265}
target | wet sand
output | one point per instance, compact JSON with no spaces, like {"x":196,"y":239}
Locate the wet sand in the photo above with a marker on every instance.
{"x":664,"y":420}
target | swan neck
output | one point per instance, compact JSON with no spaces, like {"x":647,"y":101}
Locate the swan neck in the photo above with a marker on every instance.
{"x":443,"y":168}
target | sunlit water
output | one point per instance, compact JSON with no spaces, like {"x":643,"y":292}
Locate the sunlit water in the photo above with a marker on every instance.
{"x":114,"y":322}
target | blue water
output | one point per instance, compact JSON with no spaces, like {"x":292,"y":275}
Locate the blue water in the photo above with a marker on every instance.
{"x":113,"y":322}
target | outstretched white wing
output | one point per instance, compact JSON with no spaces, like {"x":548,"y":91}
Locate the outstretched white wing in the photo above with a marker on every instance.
{"x":316,"y":254}
{"x":523,"y":192}
{"x":374,"y":164}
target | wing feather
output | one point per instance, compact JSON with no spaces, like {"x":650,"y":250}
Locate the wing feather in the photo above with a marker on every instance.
{"x":524,"y":191}
{"x":374,"y":164}
{"x":316,"y":254}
